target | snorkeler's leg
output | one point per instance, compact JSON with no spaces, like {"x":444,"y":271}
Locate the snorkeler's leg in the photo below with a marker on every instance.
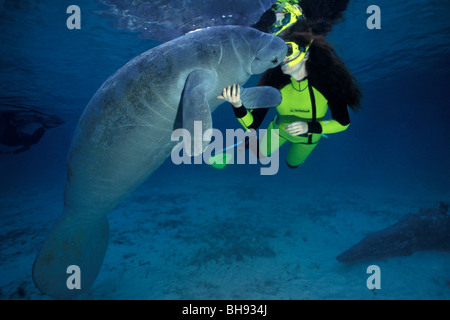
{"x":298,"y":153}
{"x":270,"y":142}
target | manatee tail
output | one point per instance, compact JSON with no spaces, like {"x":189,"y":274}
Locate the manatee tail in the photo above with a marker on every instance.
{"x":75,"y":240}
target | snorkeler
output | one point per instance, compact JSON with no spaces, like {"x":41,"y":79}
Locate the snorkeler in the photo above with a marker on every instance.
{"x":15,"y":131}
{"x":311,"y":79}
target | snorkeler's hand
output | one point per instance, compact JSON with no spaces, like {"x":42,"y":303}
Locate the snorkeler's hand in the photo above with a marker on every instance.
{"x":297,"y":128}
{"x":232,"y":94}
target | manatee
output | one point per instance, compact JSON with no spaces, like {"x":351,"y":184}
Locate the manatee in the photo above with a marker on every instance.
{"x":427,"y":230}
{"x":124,"y":135}
{"x":165,"y":20}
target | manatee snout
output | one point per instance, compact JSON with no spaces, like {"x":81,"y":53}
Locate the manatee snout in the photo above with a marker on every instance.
{"x":270,"y":54}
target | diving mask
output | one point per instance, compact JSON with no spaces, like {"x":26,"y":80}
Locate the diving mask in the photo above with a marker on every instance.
{"x":290,"y":15}
{"x":293,"y":49}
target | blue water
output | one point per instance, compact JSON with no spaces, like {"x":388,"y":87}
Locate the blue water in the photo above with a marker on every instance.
{"x":392,"y":160}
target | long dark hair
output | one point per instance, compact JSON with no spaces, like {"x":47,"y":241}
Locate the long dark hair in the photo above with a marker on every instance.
{"x":329,"y":74}
{"x":321,"y":15}
{"x":326,"y":71}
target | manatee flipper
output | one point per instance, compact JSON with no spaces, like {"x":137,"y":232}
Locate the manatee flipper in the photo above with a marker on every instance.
{"x":260,"y":97}
{"x":75,"y":239}
{"x":196,"y":109}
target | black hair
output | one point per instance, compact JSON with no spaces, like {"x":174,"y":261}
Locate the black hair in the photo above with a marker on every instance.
{"x":329,"y":74}
{"x":321,"y":15}
{"x":326,"y":71}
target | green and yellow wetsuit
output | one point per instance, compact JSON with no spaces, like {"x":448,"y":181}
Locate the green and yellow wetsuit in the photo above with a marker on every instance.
{"x":300,"y":102}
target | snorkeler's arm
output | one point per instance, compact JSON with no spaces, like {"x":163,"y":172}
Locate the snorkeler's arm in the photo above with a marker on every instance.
{"x":326,"y":127}
{"x":250,"y":120}
{"x":340,"y":121}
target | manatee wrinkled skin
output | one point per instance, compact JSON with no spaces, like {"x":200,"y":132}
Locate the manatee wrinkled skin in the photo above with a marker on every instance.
{"x":124,"y":135}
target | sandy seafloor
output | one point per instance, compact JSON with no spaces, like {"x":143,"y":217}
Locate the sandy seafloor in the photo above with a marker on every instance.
{"x":177,"y":237}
